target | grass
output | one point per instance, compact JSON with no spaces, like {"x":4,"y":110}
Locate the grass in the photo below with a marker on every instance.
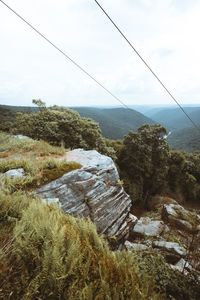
{"x":36,"y":172}
{"x":11,"y":145}
{"x":37,"y":158}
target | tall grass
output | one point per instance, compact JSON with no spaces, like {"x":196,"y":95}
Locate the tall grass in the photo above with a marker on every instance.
{"x":12,"y":144}
{"x":56,"y":256}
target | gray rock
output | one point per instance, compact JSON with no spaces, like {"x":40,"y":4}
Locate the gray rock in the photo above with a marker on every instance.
{"x":134,"y":246}
{"x":169,"y":212}
{"x":15,"y":173}
{"x":182,"y":264}
{"x":172,"y":214}
{"x":20,"y":136}
{"x":124,"y":230}
{"x":92,"y":191}
{"x":148,"y":227}
{"x":170,"y":247}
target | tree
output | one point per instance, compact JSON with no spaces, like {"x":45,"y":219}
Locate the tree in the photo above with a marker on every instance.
{"x":60,"y":124}
{"x":184,"y":174}
{"x":144,"y":160}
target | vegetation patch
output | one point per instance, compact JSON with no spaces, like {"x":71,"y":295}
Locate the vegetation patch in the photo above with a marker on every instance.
{"x":10,"y":144}
{"x":51,"y":255}
{"x":61,"y":168}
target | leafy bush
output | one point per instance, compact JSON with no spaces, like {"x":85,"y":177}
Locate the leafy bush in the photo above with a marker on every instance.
{"x":170,"y":283}
{"x":58,"y":125}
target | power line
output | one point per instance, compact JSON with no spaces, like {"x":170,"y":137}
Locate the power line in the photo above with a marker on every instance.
{"x":147,"y":65}
{"x":66,"y":56}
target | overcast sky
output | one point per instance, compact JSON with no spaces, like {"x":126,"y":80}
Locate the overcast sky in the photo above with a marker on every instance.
{"x":165,"y":32}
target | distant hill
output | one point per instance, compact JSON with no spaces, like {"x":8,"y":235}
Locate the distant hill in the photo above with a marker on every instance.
{"x":186,"y":139}
{"x":174,"y":118}
{"x":114,"y":122}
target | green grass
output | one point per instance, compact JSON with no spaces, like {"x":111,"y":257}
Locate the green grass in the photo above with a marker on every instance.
{"x":36,"y":172}
{"x":10,"y":144}
{"x":37,"y":158}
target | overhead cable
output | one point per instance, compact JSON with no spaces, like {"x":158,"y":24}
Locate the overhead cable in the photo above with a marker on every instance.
{"x":147,"y":65}
{"x":66,"y":56}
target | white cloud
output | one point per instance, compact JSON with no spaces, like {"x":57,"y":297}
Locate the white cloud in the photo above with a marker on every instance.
{"x":164,"y":32}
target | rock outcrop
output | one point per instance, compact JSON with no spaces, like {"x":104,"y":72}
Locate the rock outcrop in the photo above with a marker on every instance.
{"x":176,"y":215}
{"x":93,"y":191}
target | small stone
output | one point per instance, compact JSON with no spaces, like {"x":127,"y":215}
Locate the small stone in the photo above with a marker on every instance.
{"x":170,"y":247}
{"x":181,"y":264}
{"x":148,"y":227}
{"x":15,"y":173}
{"x":134,"y":246}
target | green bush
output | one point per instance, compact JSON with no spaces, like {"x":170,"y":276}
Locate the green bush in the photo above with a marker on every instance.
{"x":58,"y":125}
{"x":172,"y":284}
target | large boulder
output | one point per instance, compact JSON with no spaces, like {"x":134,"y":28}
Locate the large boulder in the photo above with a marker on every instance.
{"x":94,"y":192}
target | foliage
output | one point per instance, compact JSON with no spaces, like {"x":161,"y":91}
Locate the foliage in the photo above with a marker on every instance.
{"x":184,"y":174}
{"x":143,"y":161}
{"x":171,"y":283}
{"x":58,"y":125}
{"x":8,"y":115}
{"x":55,"y":256}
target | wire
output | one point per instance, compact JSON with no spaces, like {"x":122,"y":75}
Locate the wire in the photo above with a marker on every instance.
{"x":150,"y":69}
{"x":63,"y":53}
{"x":84,"y":71}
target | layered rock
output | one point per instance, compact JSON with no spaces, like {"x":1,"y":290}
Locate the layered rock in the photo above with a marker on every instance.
{"x":170,"y":247}
{"x":92,"y":191}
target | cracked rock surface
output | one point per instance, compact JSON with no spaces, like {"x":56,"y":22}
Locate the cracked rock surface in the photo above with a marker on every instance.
{"x":92,"y":191}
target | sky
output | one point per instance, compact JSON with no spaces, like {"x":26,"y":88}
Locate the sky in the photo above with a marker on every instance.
{"x":166,"y":34}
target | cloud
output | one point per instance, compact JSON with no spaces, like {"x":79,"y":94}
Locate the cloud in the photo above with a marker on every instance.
{"x":164,"y":32}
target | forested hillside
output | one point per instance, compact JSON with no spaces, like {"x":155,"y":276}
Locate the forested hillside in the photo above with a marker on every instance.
{"x":174,"y":118}
{"x":186,"y":139}
{"x":115,"y":122}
